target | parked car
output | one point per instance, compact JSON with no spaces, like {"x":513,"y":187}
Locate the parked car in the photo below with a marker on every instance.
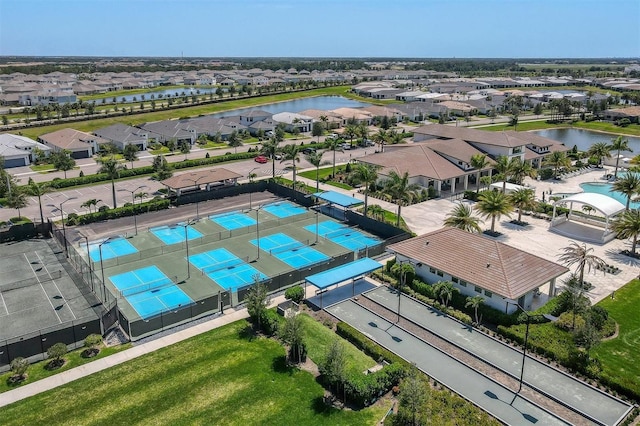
{"x":332,"y":136}
{"x":278,"y":156}
{"x":308,"y":151}
{"x":261,"y":159}
{"x":346,"y":146}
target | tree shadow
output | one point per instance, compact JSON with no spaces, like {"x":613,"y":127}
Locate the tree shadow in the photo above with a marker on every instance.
{"x":279,"y":364}
{"x":247,"y":332}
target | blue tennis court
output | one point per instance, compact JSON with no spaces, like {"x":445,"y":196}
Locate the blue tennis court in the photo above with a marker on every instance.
{"x":284,"y":209}
{"x":112,"y":248}
{"x":233,"y":220}
{"x":226,"y":269}
{"x":291,"y":251}
{"x":149,"y":291}
{"x":175,"y":234}
{"x":343,"y":235}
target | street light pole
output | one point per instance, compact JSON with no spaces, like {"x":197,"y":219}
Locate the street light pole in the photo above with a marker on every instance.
{"x":250,"y":181}
{"x":186,"y":242}
{"x":88,"y":260}
{"x":195,"y":186}
{"x":133,"y":200}
{"x":258,"y":230}
{"x":104,"y":287}
{"x":64,"y":231}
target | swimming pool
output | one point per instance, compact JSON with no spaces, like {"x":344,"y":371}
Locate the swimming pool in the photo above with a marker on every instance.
{"x":606,"y":189}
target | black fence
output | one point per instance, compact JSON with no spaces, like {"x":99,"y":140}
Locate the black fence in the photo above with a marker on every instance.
{"x":217,"y":193}
{"x":34,"y":345}
{"x":373,"y":226}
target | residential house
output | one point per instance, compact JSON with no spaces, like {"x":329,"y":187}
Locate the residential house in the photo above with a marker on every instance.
{"x":292,"y":120}
{"x":166,"y":130}
{"x":122,"y":135}
{"x":17,"y":151}
{"x":480,"y":266}
{"x":632,"y":113}
{"x":79,"y":144}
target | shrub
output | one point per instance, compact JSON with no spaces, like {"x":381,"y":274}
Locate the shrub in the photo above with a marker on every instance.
{"x":598,"y":316}
{"x":364,"y":389}
{"x":270,"y":322}
{"x":56,"y":354}
{"x":471,"y":195}
{"x":545,"y":173}
{"x":91,"y":343}
{"x":566,"y":321}
{"x":295,"y":293}
{"x":19,"y":367}
{"x":106,"y":213}
{"x":366,"y":345}
{"x":390,"y":264}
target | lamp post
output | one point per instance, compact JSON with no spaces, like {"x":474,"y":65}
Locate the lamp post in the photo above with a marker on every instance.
{"x":317,"y":230}
{"x":185,"y":225}
{"x":250,"y":181}
{"x":104,"y":287}
{"x":195,"y":186}
{"x":133,"y":200}
{"x":86,"y":240}
{"x":258,"y":229}
{"x":64,"y":231}
{"x":526,"y":339}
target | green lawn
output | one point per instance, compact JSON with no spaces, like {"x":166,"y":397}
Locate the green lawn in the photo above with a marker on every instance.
{"x":38,"y":370}
{"x":221,"y":377}
{"x":602,"y":126}
{"x":320,"y":337}
{"x":324,"y":173}
{"x":620,"y":356}
{"x":43,"y":168}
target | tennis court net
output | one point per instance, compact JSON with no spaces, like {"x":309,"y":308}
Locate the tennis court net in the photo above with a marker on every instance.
{"x":224,"y":265}
{"x":42,"y":278}
{"x":151,"y":285}
{"x":288,"y":247}
{"x":337,"y":233}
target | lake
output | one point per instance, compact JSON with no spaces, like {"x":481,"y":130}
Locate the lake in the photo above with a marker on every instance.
{"x":583,"y":139}
{"x":324,"y":103}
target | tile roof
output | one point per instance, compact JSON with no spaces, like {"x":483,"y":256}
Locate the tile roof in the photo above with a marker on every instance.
{"x":202,"y":177}
{"x":479,"y":260}
{"x":71,"y":139}
{"x":470,"y":135}
{"x":455,"y":148}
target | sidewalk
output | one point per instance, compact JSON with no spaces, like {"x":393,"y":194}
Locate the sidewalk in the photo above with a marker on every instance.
{"x":68,"y":376}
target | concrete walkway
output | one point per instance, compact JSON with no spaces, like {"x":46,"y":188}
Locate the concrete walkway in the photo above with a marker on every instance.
{"x":69,"y":376}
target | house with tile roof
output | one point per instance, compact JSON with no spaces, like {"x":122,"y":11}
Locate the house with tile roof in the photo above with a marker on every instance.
{"x":122,"y":135}
{"x":478,"y":265}
{"x":79,"y":144}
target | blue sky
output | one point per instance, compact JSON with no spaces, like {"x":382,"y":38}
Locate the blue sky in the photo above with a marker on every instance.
{"x":322,"y":28}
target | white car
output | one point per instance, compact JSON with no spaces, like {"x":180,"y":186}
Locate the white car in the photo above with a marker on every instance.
{"x":346,"y":146}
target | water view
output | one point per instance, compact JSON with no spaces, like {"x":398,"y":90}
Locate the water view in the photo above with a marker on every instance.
{"x":297,"y":105}
{"x":583,"y":139}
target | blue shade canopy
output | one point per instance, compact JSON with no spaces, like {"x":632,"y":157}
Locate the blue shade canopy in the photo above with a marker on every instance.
{"x":344,"y":272}
{"x":338,"y":198}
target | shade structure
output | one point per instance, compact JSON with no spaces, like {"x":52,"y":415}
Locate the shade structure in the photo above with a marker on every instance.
{"x":344,"y":272}
{"x":337,"y":198}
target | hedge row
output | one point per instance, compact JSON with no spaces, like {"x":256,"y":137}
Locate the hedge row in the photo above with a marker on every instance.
{"x":59,"y":183}
{"x":364,"y":389}
{"x":149,"y":206}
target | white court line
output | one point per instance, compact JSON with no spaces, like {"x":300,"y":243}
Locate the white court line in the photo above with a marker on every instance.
{"x":64,"y":299}
{"x":4,"y":303}
{"x":42,"y":287}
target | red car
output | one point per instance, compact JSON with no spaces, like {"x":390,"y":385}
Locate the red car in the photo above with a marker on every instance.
{"x":261,"y":159}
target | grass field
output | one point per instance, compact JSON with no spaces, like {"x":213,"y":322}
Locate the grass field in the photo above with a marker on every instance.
{"x":39,"y":371}
{"x":620,"y":356}
{"x":222,"y":377}
{"x":320,"y":338}
{"x":601,"y":126}
{"x":194,"y":111}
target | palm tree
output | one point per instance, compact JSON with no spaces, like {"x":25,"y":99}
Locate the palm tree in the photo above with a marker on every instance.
{"x":494,"y":204}
{"x":377,"y":212}
{"x":444,"y":290}
{"x":523,"y":199}
{"x":399,"y":190}
{"x":479,"y":162}
{"x":599,"y":150}
{"x":461,"y":217}
{"x":521,"y":169}
{"x":351,"y":131}
{"x":580,"y":255}
{"x":140,"y":195}
{"x":17,"y":200}
{"x":619,"y":144}
{"x":315,"y":159}
{"x":366,"y":174}
{"x":270,"y":149}
{"x":628,"y":185}
{"x":627,"y":225}
{"x":475,"y":302}
{"x":334,"y":145}
{"x":558,"y":159}
{"x":324,"y":119}
{"x":90,"y":203}
{"x":38,"y":190}
{"x":292,"y":153}
{"x":503,"y":167}
{"x":111,"y":168}
{"x":130,"y":153}
{"x":363,"y":132}
{"x":381,"y":138}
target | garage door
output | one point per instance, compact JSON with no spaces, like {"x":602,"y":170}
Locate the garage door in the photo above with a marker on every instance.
{"x":16,"y":162}
{"x":80,"y":154}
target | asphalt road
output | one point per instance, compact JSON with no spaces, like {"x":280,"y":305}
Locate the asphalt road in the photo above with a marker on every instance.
{"x":482,"y":391}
